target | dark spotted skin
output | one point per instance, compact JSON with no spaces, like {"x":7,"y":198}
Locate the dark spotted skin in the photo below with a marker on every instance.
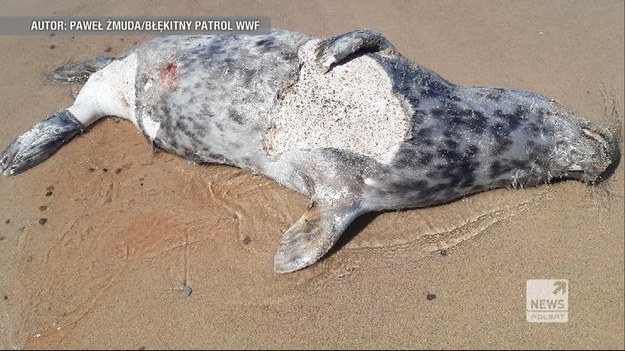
{"x":464,"y":140}
{"x":216,"y":105}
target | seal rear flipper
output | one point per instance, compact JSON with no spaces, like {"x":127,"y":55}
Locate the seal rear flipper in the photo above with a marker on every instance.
{"x":333,"y":50}
{"x":79,"y":72}
{"x":39,"y":142}
{"x":314,"y":234}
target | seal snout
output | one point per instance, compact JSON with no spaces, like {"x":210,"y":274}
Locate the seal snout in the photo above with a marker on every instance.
{"x":608,"y":156}
{"x":592,"y":154}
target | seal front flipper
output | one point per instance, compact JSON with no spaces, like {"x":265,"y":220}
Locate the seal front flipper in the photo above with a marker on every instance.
{"x":39,"y":142}
{"x":331,"y":51}
{"x":314,"y":234}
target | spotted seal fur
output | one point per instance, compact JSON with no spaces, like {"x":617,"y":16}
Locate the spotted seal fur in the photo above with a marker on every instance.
{"x":346,"y":120}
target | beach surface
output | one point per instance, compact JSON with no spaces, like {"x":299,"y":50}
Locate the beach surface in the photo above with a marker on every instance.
{"x":111,"y":244}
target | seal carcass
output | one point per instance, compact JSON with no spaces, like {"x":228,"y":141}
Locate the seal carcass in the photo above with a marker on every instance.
{"x":346,"y":120}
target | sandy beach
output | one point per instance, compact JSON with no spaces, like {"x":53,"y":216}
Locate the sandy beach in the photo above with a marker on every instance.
{"x":98,"y":243}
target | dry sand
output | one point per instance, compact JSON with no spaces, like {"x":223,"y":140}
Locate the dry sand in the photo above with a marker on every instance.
{"x":126,"y":227}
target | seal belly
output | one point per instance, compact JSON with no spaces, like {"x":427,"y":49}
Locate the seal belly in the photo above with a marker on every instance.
{"x":208,"y":98}
{"x":351,"y":107}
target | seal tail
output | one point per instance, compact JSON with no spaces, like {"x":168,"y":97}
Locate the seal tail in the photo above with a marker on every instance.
{"x":79,"y":72}
{"x":39,"y":142}
{"x":107,"y":92}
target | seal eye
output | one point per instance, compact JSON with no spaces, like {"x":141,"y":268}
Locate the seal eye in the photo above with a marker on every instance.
{"x":597,"y":137}
{"x":575,"y":168}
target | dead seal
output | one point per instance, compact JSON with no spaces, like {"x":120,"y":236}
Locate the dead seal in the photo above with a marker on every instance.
{"x":347,"y":120}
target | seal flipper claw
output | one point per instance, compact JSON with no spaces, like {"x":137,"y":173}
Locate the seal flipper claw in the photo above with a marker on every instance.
{"x":79,"y":72}
{"x":333,"y":50}
{"x":313,"y":235}
{"x":39,"y":142}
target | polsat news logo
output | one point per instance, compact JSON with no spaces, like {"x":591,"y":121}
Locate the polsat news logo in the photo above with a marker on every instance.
{"x":547,"y":300}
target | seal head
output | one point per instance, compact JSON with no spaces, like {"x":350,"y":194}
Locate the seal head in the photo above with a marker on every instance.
{"x":583,"y":151}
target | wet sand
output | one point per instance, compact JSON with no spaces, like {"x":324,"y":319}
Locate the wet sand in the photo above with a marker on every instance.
{"x":127,"y":228}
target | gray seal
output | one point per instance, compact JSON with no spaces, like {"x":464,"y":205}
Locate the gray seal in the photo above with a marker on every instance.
{"x":347,"y":121}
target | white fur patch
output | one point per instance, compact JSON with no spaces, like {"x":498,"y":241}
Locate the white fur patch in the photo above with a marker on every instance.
{"x":351,"y":107}
{"x":150,"y":127}
{"x":108,"y":92}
